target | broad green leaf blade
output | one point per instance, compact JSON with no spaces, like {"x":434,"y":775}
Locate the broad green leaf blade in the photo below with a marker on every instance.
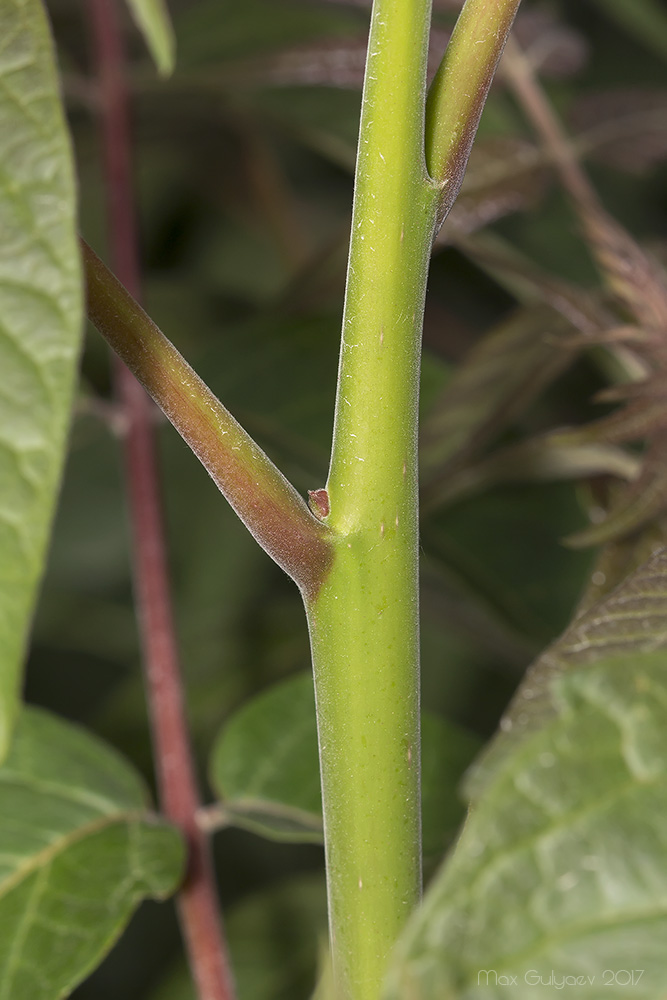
{"x":40,"y":321}
{"x":152,"y":19}
{"x":560,"y":868}
{"x":631,"y":620}
{"x":559,"y":875}
{"x":78,"y":851}
{"x":265,"y":769}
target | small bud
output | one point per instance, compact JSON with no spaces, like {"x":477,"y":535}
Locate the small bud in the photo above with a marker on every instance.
{"x":318,"y":501}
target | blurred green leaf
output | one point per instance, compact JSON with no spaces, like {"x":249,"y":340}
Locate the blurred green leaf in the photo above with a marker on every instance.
{"x":631,"y":620}
{"x":639,"y":505}
{"x":265,"y":769}
{"x":496,"y":383}
{"x":505,"y":545}
{"x":623,"y":127}
{"x":152,"y":18}
{"x":275,"y":936}
{"x":645,"y":19}
{"x":264,"y":764}
{"x":559,"y":871}
{"x":40,"y":305}
{"x":505,"y":174}
{"x":213,"y":31}
{"x":546,"y":457}
{"x":447,"y":751}
{"x":618,"y":559}
{"x":535,"y":286}
{"x":78,"y":851}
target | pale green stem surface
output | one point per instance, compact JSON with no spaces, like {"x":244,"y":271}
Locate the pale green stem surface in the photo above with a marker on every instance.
{"x":364,"y":620}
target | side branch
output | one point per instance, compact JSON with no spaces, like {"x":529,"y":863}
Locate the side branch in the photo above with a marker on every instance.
{"x":265,"y":501}
{"x":459,"y":91}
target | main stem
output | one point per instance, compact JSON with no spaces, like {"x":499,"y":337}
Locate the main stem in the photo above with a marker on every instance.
{"x":197,"y":901}
{"x":364,"y":619}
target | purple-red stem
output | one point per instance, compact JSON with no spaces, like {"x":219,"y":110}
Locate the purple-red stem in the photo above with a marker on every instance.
{"x":197,"y":901}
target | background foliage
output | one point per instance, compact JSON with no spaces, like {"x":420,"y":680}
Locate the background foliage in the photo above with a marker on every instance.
{"x":244,"y":166}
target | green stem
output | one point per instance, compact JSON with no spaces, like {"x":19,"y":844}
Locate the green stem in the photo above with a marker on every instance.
{"x":268,"y":505}
{"x":364,"y":619}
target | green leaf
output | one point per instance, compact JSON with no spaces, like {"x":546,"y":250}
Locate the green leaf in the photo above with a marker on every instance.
{"x":560,"y":868}
{"x":560,"y":865}
{"x":152,"y":19}
{"x":274,"y":938}
{"x":504,"y":547}
{"x":645,"y":19}
{"x":265,"y":769}
{"x":446,"y":753}
{"x":632,"y":619}
{"x":212,"y":32}
{"x":619,"y":558}
{"x":40,"y":310}
{"x":78,"y":851}
{"x":264,"y":764}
